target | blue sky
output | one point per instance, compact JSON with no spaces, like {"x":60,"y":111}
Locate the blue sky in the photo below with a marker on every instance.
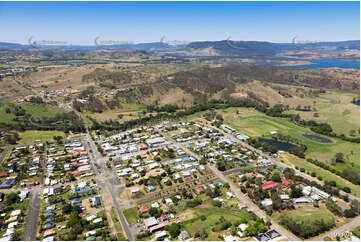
{"x":82,"y":22}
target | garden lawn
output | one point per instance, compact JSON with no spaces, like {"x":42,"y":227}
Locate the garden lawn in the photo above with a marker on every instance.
{"x":131,"y":215}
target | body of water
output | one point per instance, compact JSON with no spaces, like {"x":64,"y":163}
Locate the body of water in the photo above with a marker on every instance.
{"x":317,"y":63}
{"x":280,"y":145}
{"x":317,"y":138}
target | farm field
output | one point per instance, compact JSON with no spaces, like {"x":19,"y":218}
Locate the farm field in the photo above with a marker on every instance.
{"x":334,"y":108}
{"x":128,"y":112}
{"x":36,"y":110}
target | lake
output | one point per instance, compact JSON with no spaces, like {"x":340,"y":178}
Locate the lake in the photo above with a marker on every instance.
{"x":317,"y":138}
{"x":280,"y":145}
{"x":316,"y":63}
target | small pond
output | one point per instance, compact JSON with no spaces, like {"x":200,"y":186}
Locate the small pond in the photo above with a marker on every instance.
{"x":280,"y":145}
{"x":317,"y":138}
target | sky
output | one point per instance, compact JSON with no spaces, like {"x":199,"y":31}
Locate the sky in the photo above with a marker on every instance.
{"x":79,"y":23}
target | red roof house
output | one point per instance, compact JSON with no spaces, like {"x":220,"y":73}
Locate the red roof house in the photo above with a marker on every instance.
{"x":144,"y":209}
{"x":4,"y":174}
{"x":156,"y":227}
{"x":143,"y":147}
{"x":269,"y":185}
{"x":77,"y":173}
{"x":200,"y":189}
{"x":250,"y":174}
{"x":163,"y":217}
{"x":285,"y":182}
{"x":82,"y":163}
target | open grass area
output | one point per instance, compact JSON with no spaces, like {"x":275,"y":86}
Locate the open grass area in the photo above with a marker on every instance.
{"x":117,"y":225}
{"x":334,"y":108}
{"x":326,"y":175}
{"x":309,"y":214}
{"x":306,"y":214}
{"x":131,"y":215}
{"x":128,"y":112}
{"x":212,"y":215}
{"x":36,"y":110}
{"x":29,"y":136}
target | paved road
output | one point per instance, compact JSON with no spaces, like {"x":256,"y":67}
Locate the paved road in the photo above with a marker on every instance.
{"x":238,"y":193}
{"x":33,"y":216}
{"x":339,"y":231}
{"x":226,"y":173}
{"x":253,"y":207}
{"x":108,"y":181}
{"x":6,"y":150}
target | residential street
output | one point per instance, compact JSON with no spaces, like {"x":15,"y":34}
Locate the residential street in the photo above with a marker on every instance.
{"x":31,"y":226}
{"x":238,"y":193}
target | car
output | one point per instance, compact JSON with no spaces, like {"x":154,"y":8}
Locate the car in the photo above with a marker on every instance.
{"x":51,"y":219}
{"x":51,"y":213}
{"x":49,"y":226}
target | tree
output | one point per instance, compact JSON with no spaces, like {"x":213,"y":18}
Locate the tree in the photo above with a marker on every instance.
{"x":339,"y":157}
{"x":352,"y":132}
{"x":347,"y":189}
{"x":154,"y":212}
{"x":296,"y":192}
{"x":276,"y":177}
{"x":12,"y":198}
{"x":221,"y":166}
{"x":173,"y":229}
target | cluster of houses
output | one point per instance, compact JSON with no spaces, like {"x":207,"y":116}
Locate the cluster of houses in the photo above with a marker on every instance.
{"x":66,"y":158}
{"x":22,"y":156}
{"x":11,"y":219}
{"x":132,"y":141}
{"x":51,"y":211}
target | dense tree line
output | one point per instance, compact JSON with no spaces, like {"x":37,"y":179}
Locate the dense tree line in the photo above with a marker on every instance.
{"x":350,"y":175}
{"x":306,"y":229}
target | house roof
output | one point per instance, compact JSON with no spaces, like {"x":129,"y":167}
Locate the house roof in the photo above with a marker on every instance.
{"x":163,"y":217}
{"x":149,"y":222}
{"x":158,"y":226}
{"x":285,"y":182}
{"x":269,"y":185}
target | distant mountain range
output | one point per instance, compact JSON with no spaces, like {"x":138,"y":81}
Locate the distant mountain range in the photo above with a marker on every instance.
{"x":247,"y":49}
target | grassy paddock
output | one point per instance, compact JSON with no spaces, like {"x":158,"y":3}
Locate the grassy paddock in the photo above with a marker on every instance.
{"x":212,"y":215}
{"x":29,"y":136}
{"x":326,"y":175}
